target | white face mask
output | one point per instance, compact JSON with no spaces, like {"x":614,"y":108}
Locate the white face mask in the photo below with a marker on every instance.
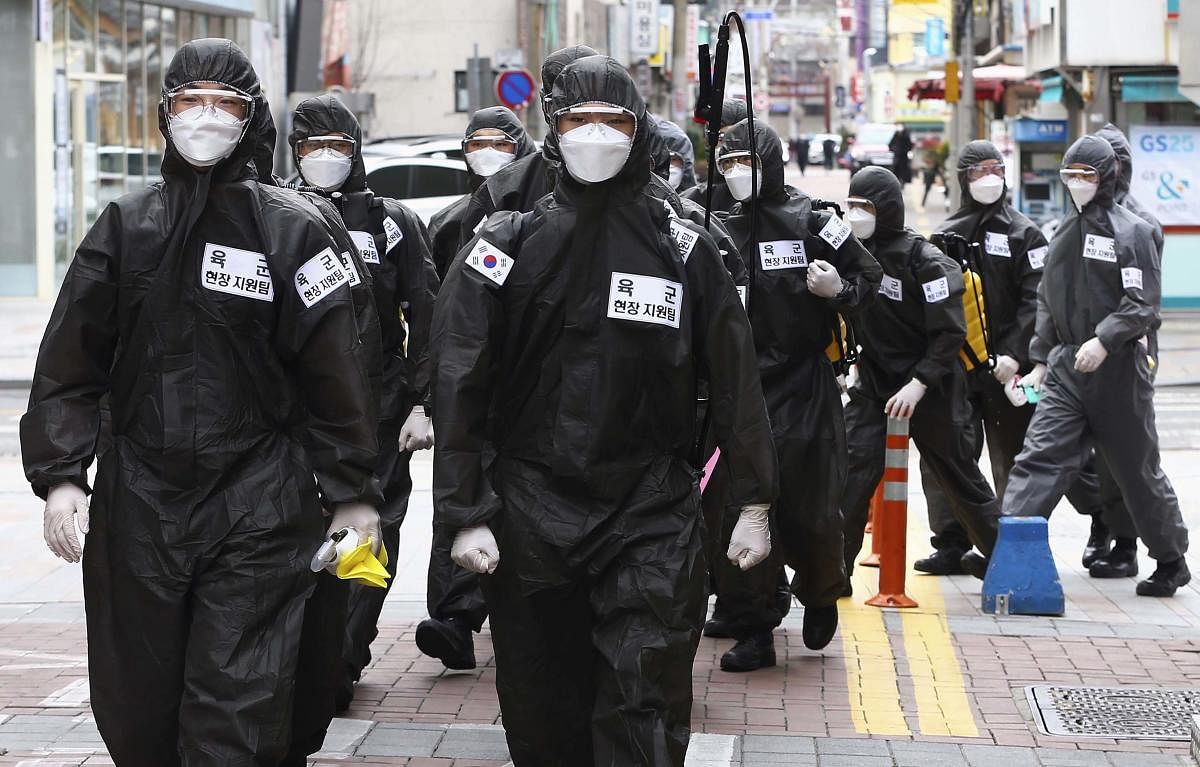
{"x":326,"y":169}
{"x":485,"y":162}
{"x":740,"y":181}
{"x":987,"y":189}
{"x":861,"y":223}
{"x":204,"y":136}
{"x":675,"y":178}
{"x":594,"y":153}
{"x":1082,"y":192}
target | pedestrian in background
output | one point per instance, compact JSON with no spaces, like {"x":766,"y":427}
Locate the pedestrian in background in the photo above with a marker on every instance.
{"x":802,"y":148}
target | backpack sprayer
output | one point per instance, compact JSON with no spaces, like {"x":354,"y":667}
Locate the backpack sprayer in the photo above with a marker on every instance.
{"x":976,"y":353}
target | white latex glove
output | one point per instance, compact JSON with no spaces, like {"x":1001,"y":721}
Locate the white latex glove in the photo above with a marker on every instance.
{"x":904,"y":402}
{"x":417,"y":431}
{"x":1090,"y":356}
{"x":751,"y":539}
{"x":823,"y":279}
{"x":66,"y":506}
{"x":362,"y":517}
{"x":1035,"y":378}
{"x":1006,"y":368}
{"x":475,"y":549}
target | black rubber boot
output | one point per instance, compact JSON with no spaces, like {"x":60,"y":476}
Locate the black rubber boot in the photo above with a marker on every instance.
{"x":1121,"y":562}
{"x":449,"y":641}
{"x":754,"y":652}
{"x":1166,"y":579}
{"x":820,"y":624}
{"x":848,"y":591}
{"x":974,"y":563}
{"x":1099,"y":544}
{"x":717,"y":627}
{"x":941,"y":562}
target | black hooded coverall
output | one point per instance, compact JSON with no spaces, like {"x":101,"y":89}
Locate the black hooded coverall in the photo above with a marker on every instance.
{"x":1116,"y":517}
{"x":445,"y":228}
{"x":568,"y":345}
{"x":1102,"y":280}
{"x":914,"y":329}
{"x":678,"y":145}
{"x":792,"y":327}
{"x":392,"y":244}
{"x":1010,"y":266}
{"x":211,"y":310}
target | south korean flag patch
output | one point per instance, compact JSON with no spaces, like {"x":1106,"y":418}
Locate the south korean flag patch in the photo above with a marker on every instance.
{"x":490,"y":261}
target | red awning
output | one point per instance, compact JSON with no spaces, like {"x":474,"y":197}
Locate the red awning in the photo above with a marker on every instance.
{"x":990,"y":83}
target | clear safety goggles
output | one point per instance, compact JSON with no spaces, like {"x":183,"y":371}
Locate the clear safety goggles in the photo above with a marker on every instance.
{"x":727,"y":162}
{"x":1080,"y":172}
{"x":595,"y":112}
{"x":191,"y":103}
{"x":861,"y":203}
{"x":343,"y":145}
{"x":499,"y":143}
{"x":983,"y":169}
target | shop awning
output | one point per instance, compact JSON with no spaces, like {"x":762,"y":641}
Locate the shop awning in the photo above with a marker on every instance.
{"x":1144,"y":88}
{"x":990,"y":83}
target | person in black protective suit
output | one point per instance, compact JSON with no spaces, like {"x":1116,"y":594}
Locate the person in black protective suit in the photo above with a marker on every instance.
{"x":453,"y":597}
{"x":214,"y":315}
{"x":495,"y":138}
{"x":1115,"y":526}
{"x":909,"y":367}
{"x":326,"y":143}
{"x":809,"y":268}
{"x":681,"y":176}
{"x":1100,"y":296}
{"x":733,"y":111}
{"x":1010,"y":267}
{"x":568,"y":345}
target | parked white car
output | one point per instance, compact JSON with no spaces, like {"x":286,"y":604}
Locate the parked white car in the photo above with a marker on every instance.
{"x":424,"y":184}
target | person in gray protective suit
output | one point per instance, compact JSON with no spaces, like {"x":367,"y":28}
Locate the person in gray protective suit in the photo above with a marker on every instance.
{"x":1100,"y":296}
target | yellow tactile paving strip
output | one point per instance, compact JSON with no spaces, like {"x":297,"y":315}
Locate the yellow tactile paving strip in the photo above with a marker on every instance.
{"x":935,"y":682}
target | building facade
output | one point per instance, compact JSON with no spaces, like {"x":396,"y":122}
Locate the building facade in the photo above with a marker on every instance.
{"x":83,"y":80}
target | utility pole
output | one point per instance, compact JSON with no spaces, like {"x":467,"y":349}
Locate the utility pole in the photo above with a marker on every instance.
{"x":968,"y":74}
{"x":679,"y":63}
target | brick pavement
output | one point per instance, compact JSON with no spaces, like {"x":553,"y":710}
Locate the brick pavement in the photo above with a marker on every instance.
{"x":814,"y":708}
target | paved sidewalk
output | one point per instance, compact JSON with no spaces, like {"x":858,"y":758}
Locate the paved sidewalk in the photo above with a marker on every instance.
{"x":939,"y":686}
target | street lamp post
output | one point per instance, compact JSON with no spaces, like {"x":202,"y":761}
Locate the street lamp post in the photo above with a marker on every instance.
{"x":866,"y":70}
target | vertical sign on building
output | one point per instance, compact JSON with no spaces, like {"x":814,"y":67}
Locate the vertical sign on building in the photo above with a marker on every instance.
{"x":643,"y":27}
{"x":878,"y":34}
{"x":693,"y":42}
{"x":935,"y":38}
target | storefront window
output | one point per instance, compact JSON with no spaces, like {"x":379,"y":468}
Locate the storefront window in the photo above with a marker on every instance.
{"x":82,"y":34}
{"x":152,"y":43}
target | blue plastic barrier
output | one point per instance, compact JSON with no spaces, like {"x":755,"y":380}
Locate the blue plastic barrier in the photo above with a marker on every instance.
{"x":1021,"y":577}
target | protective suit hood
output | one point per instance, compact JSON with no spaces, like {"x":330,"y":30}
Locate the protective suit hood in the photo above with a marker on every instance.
{"x":502,"y":119}
{"x":1124,"y":152}
{"x":678,"y":144}
{"x":552,"y":67}
{"x":976,"y":152}
{"x":214,"y":59}
{"x":660,"y":153}
{"x":766,"y":146}
{"x":733,"y":111}
{"x":881,"y":187}
{"x":602,"y":79}
{"x":1096,"y":152}
{"x":326,"y":115}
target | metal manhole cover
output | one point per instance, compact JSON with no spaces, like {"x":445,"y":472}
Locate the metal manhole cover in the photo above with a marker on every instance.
{"x":1114,"y":712}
